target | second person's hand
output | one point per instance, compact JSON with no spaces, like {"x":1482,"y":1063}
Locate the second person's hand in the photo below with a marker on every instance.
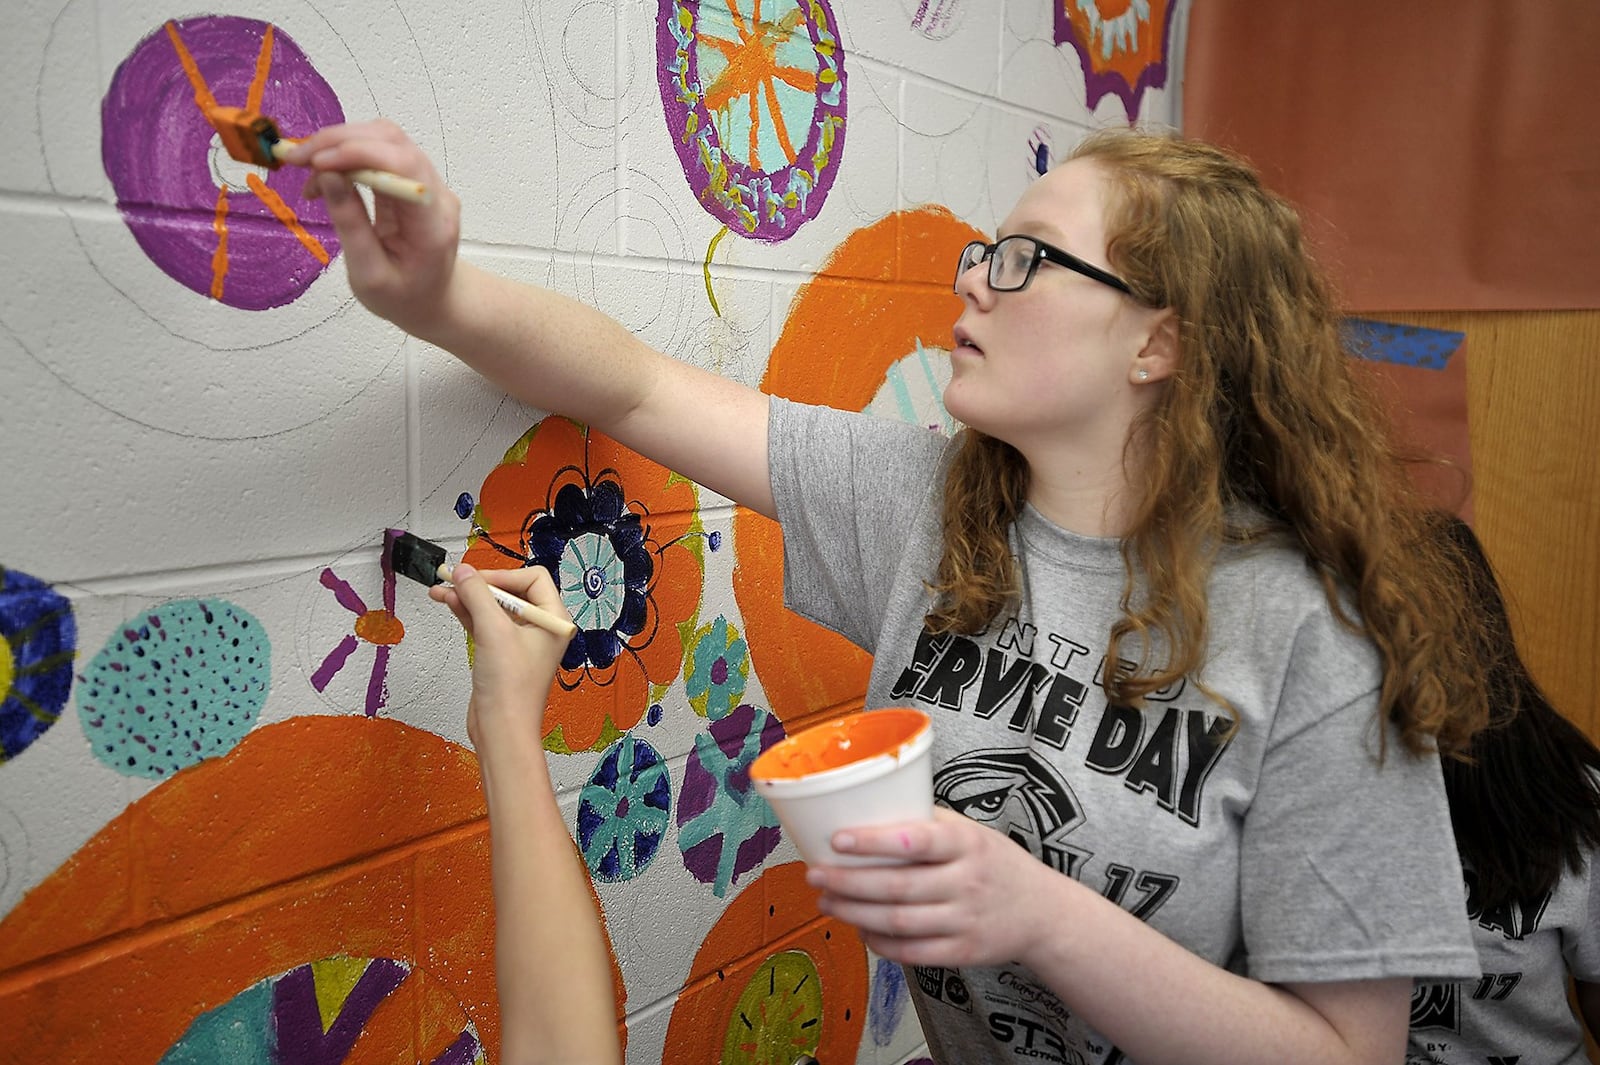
{"x":513,"y":663}
{"x":965,"y":897}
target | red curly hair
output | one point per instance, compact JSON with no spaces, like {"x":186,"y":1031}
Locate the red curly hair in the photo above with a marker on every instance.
{"x":1263,"y":417}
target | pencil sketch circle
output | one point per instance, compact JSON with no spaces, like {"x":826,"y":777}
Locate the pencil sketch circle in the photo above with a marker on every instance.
{"x":187,"y":356}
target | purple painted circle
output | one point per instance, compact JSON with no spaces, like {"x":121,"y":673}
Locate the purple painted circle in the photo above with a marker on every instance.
{"x":156,"y":148}
{"x":763,"y":204}
{"x":725,"y":829}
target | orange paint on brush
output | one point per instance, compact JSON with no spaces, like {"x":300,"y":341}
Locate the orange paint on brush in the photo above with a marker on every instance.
{"x":219,"y":258}
{"x":380,"y":626}
{"x":285,"y":214}
{"x":853,"y":738}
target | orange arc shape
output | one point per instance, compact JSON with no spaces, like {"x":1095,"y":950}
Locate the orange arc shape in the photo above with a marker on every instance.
{"x":806,"y":670}
{"x":314,"y":837}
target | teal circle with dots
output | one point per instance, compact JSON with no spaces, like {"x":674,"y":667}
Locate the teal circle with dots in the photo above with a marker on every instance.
{"x":175,"y":686}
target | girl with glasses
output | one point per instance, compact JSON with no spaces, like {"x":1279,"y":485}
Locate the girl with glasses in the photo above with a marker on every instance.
{"x":1168,"y":597}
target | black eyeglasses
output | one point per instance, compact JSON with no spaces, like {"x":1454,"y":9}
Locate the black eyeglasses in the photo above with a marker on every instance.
{"x":1013,"y":260}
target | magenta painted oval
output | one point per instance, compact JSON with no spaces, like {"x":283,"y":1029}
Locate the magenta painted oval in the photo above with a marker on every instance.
{"x":156,"y":145}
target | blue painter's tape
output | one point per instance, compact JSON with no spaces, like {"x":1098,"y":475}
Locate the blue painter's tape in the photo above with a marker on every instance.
{"x":1403,"y":345}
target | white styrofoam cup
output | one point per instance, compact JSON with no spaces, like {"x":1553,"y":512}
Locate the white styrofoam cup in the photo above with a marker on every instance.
{"x":872,"y":767}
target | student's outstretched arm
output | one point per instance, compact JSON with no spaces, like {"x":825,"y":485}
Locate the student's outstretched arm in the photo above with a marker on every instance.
{"x":551,"y":961}
{"x":546,"y":350}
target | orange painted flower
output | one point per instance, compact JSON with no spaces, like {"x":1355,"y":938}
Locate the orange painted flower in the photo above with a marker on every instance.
{"x":621,"y":536}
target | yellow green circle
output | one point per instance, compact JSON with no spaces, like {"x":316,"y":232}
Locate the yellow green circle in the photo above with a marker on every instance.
{"x":779,"y":1014}
{"x":8,"y":668}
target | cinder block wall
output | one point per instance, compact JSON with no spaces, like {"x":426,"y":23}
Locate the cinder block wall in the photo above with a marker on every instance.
{"x":237,"y":804}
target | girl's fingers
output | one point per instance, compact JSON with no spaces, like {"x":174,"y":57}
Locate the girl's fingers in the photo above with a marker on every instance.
{"x":533,"y":584}
{"x":363,"y":250}
{"x":473,"y":591}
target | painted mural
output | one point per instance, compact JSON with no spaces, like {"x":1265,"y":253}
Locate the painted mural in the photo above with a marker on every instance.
{"x":40,"y":639}
{"x":621,"y":537}
{"x":377,"y":626}
{"x":804,"y":991}
{"x":804,"y":670}
{"x":296,"y":846}
{"x":176,"y":685}
{"x":1122,"y":44}
{"x":335,"y":1010}
{"x":755,"y":104}
{"x":240,"y":234}
{"x":261,"y":838}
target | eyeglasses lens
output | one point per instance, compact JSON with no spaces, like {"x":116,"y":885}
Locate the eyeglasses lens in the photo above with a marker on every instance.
{"x":1013,"y":262}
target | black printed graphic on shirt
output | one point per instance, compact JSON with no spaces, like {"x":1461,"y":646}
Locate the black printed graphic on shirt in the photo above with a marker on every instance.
{"x":943,"y":985}
{"x":1166,"y":750}
{"x":1436,"y":1007}
{"x":1517,"y":919}
{"x":1018,"y":794}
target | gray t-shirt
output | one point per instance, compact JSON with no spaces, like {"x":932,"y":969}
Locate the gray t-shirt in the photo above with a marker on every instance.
{"x":1516,"y":1011}
{"x":1285,"y":852}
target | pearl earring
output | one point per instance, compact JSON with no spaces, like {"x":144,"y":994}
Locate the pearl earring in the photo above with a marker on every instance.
{"x":1144,"y":375}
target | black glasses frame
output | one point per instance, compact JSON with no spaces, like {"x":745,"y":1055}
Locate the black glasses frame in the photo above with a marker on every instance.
{"x":1041,"y":252}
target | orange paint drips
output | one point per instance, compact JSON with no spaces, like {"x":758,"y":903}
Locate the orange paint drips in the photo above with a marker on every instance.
{"x":853,"y":738}
{"x":258,"y":84}
{"x":285,"y":214}
{"x":219,"y":258}
{"x":380,"y":626}
{"x":202,"y":92}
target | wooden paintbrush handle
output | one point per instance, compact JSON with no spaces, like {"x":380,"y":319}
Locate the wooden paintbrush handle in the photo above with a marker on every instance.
{"x":388,"y":184}
{"x":382,"y":181}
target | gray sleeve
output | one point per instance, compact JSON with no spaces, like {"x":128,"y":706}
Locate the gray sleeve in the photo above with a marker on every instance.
{"x":1582,"y":947}
{"x":848,"y":488}
{"x":1349,"y":868}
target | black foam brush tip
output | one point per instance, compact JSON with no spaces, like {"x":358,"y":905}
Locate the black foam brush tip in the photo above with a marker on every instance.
{"x":416,"y":558}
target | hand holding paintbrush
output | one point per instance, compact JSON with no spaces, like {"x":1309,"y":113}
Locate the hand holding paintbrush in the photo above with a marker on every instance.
{"x":251,"y":137}
{"x":424,"y":563}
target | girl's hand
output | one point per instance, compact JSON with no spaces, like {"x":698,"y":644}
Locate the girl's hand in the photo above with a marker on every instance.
{"x":402,"y":259}
{"x":513,"y":664}
{"x":968,"y":896}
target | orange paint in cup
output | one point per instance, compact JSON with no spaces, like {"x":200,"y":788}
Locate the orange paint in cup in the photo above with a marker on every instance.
{"x":867,"y":768}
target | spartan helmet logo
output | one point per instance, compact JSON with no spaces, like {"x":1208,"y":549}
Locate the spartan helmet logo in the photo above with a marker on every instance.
{"x":1019,"y":794}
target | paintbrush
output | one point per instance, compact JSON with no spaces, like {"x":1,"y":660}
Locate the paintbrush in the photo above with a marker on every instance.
{"x":424,"y":563}
{"x":251,"y":137}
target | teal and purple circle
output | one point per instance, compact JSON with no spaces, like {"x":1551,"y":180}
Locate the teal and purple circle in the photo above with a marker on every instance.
{"x":158,"y":149}
{"x":725,"y":829}
{"x":623,"y":811}
{"x":320,"y":1011}
{"x":755,"y":109}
